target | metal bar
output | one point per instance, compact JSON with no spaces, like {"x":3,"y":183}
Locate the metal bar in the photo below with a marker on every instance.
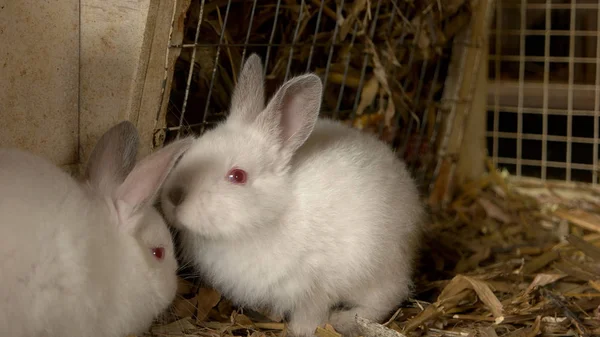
{"x":214,"y":71}
{"x":570,"y":92}
{"x":497,"y":75}
{"x":541,"y":111}
{"x":521,"y":82}
{"x":416,"y":104}
{"x":294,"y":39}
{"x":597,"y":102}
{"x":330,"y":54}
{"x":546,"y":81}
{"x":191,"y":70}
{"x":428,"y":105}
{"x":361,"y":82}
{"x":248,"y":34}
{"x":554,"y":5}
{"x":404,"y":86}
{"x":553,"y":59}
{"x":398,"y":43}
{"x":166,"y":64}
{"x":538,"y":163}
{"x":389,"y":32}
{"x":346,"y":67}
{"x":272,"y":36}
{"x":533,"y":136}
{"x":254,"y":44}
{"x":417,"y":98}
{"x":314,"y":41}
{"x":542,"y":32}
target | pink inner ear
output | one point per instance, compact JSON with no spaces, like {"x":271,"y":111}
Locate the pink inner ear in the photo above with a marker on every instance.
{"x":292,"y":116}
{"x":142,"y":184}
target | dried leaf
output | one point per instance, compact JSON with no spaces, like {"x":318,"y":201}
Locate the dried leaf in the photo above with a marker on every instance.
{"x":494,"y":211}
{"x":528,"y":332}
{"x":369,"y":328}
{"x":422,"y":36}
{"x":207,"y":299}
{"x":176,"y":328}
{"x":327,"y":331}
{"x":183,"y":307}
{"x":541,"y":280}
{"x":258,"y":334}
{"x":539,"y":262}
{"x":586,"y":247}
{"x":390,"y":111}
{"x":450,"y":7}
{"x":184,"y":286}
{"x":368,"y":94}
{"x":485,"y":294}
{"x":581,"y":218}
{"x":487,"y":332}
{"x":242,"y":320}
{"x":595,"y":284}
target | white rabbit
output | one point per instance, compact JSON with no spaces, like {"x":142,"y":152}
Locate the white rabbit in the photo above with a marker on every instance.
{"x":282,"y":210}
{"x":90,"y":257}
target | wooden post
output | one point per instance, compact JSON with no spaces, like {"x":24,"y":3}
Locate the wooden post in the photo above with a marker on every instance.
{"x":153,"y":87}
{"x":469,"y":54}
{"x":472,"y":153}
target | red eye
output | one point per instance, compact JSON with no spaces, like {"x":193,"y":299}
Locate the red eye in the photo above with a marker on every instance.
{"x":158,"y":252}
{"x":237,"y":176}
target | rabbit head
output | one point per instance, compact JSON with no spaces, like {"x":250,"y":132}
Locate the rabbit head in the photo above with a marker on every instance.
{"x":235,"y":177}
{"x":129,"y":189}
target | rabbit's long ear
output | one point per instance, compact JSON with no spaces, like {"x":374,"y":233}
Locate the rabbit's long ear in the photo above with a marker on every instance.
{"x":292,"y":113}
{"x":113,"y":157}
{"x":248,"y":98}
{"x":143,"y":182}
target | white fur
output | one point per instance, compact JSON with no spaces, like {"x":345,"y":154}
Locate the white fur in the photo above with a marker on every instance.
{"x":76,"y":255}
{"x":329,"y":214}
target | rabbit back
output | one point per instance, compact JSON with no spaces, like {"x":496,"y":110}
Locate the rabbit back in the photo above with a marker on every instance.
{"x":353,"y":189}
{"x":358,"y":212}
{"x":47,"y":248}
{"x":85,"y":257}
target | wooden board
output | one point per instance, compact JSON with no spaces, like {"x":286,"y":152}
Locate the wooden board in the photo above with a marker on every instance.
{"x":39,"y":70}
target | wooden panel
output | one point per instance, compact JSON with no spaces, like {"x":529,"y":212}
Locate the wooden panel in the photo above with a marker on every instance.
{"x":123,"y":51}
{"x":39,"y":77}
{"x":111,"y":42}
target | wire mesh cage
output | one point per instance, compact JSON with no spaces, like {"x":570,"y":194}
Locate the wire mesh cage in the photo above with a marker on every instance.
{"x":382,"y":63}
{"x":543,"y":104}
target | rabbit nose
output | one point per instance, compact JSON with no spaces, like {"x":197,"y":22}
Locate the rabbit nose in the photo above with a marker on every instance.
{"x":176,"y":195}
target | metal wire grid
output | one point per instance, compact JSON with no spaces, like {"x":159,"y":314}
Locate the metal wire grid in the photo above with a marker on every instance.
{"x":541,"y":122}
{"x":184,"y":127}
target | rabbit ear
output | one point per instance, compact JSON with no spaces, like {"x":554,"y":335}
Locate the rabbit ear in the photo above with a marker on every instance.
{"x":113,"y":157}
{"x":248,"y":98}
{"x":292,"y":113}
{"x":141,"y":185}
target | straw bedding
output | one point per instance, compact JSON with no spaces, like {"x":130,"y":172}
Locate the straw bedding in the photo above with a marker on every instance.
{"x":507,"y":258}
